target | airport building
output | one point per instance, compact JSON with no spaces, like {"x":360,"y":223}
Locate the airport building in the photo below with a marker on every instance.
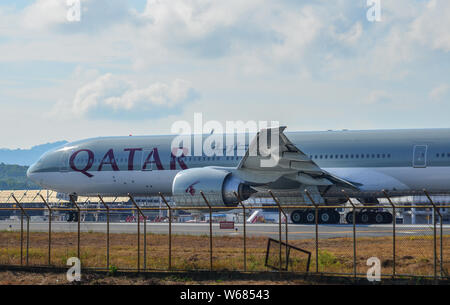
{"x":37,"y":210}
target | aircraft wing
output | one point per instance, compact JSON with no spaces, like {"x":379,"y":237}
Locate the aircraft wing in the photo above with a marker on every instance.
{"x":272,"y":154}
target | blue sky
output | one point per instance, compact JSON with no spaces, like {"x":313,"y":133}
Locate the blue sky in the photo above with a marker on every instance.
{"x":135,"y":67}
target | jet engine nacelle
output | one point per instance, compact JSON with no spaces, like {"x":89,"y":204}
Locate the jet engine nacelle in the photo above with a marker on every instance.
{"x":217,"y":185}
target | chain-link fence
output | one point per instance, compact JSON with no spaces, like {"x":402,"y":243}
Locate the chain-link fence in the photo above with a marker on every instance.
{"x":271,"y":233}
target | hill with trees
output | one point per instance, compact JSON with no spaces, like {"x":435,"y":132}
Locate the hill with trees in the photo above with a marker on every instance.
{"x":14,"y":177}
{"x":26,"y":156}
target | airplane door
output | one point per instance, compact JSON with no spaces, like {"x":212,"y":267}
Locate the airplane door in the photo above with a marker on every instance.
{"x":420,"y":156}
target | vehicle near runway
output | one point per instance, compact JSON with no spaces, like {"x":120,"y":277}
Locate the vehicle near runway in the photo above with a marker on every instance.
{"x":324,"y":163}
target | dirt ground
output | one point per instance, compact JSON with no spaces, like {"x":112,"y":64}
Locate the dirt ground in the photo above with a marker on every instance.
{"x":32,"y":278}
{"x":414,"y":254}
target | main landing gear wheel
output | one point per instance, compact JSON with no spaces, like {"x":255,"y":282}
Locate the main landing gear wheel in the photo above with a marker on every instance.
{"x":329,"y":216}
{"x":364,"y":218}
{"x":369,"y":217}
{"x":297,"y":217}
{"x":349,"y":217}
{"x":324,"y":217}
{"x":379,"y":217}
{"x":310,"y":216}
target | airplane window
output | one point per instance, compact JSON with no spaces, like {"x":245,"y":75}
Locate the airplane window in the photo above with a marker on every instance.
{"x":326,"y":156}
{"x":315,"y":157}
{"x":448,"y":155}
{"x":336,"y":157}
{"x":378,"y":155}
{"x":346,"y":156}
{"x":388,"y":155}
{"x":362,"y":156}
{"x":331,"y":156}
{"x":321,"y":156}
{"x":357,"y":156}
{"x":384,"y":156}
{"x":437,"y":155}
{"x":442,"y":155}
{"x":351,"y":156}
{"x":368,"y":156}
{"x":342,"y":156}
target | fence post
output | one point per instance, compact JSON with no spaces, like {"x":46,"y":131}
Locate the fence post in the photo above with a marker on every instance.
{"x":139,"y":233}
{"x":280,"y":210}
{"x":317,"y":227}
{"x":245,"y":230}
{"x":441,"y":246}
{"x":170,"y":229}
{"x":21,"y":230}
{"x":393,"y":232}
{"x":107,"y":230}
{"x":49,"y":229}
{"x":210,"y":231}
{"x":72,"y":199}
{"x":434,"y":234}
{"x":354,"y":231}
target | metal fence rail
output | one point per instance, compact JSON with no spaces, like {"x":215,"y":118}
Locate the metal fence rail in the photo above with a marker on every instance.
{"x":345,"y":254}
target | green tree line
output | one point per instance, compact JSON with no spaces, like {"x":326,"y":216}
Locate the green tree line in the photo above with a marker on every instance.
{"x":14,"y":177}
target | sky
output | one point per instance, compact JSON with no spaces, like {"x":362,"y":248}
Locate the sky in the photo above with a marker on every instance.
{"x":136,"y":67}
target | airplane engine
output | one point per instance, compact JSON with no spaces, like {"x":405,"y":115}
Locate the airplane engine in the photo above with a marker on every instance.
{"x":217,"y":185}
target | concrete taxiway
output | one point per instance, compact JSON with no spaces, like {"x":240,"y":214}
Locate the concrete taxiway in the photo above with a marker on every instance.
{"x":269,"y":230}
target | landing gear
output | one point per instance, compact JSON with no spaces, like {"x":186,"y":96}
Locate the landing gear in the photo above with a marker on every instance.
{"x":369,"y":217}
{"x":326,"y":216}
{"x":388,"y":217}
{"x":349,"y":217}
{"x":310,"y":216}
{"x":329,"y":216}
{"x":73,"y":216}
{"x":364,"y":217}
{"x":379,"y":217}
{"x":336,"y":216}
{"x":297,"y":217}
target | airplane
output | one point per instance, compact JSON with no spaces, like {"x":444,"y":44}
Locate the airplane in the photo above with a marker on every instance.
{"x":322,"y":162}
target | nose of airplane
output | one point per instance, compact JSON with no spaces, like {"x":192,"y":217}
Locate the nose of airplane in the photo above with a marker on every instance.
{"x":30,"y":171}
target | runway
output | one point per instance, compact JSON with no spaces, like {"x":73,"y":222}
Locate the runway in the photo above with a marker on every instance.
{"x":269,"y":230}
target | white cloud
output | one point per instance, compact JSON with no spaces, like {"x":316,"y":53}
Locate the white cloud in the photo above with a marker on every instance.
{"x":44,"y":13}
{"x":117,"y":94}
{"x":353,"y":35}
{"x":431,"y":28}
{"x":303,"y":56}
{"x":296,"y":30}
{"x":378,"y":97}
{"x":95,"y":15}
{"x":160,"y":94}
{"x":439,"y":92}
